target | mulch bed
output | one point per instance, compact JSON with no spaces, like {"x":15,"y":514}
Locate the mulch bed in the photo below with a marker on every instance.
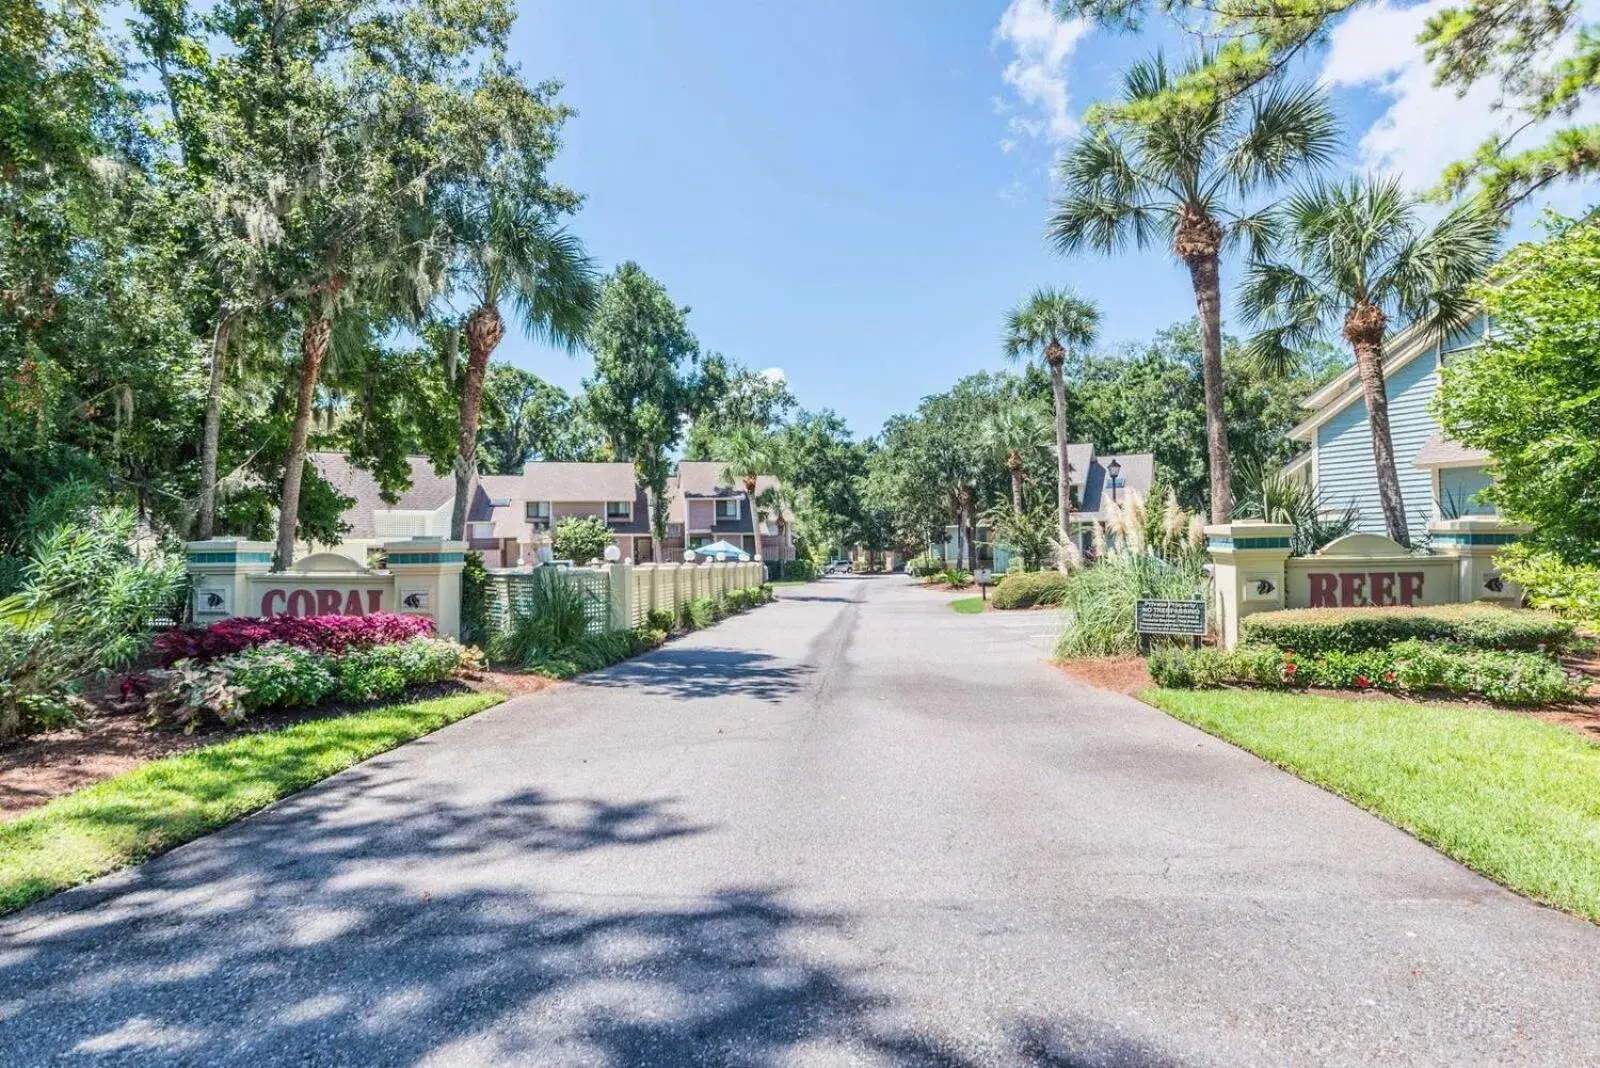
{"x":41,"y":767}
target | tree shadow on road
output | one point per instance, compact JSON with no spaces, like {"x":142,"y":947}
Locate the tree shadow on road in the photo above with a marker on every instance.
{"x":688,"y":673}
{"x":415,"y":934}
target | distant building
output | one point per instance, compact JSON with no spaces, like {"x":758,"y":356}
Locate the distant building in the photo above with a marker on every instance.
{"x":1439,"y":478}
{"x":1092,"y":489}
{"x":511,"y":516}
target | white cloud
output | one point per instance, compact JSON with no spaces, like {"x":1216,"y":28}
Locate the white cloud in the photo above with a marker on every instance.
{"x":1424,"y":127}
{"x":774,"y":374}
{"x":1042,"y":47}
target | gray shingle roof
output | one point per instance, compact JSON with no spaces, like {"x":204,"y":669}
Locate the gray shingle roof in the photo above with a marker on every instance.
{"x":1138,"y":472}
{"x":426,"y":492}
{"x":1439,"y":449}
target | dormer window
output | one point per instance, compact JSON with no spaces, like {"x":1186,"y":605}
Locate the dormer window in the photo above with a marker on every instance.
{"x":619,"y":510}
{"x":728,"y":508}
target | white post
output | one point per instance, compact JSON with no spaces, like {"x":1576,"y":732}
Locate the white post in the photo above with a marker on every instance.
{"x":427,"y":580}
{"x":220,"y":569}
{"x":619,"y":583}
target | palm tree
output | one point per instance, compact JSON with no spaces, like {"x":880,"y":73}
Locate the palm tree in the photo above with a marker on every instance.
{"x":748,"y":454}
{"x":1049,"y":323}
{"x":507,"y":249}
{"x":1359,"y":257}
{"x":1014,"y":434}
{"x":1182,"y":177}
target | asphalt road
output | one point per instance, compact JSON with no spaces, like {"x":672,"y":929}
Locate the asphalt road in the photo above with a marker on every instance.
{"x":850,"y":828}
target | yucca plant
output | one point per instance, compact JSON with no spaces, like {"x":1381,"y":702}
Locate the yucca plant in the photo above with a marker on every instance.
{"x":552,"y":618}
{"x":1272,"y":496}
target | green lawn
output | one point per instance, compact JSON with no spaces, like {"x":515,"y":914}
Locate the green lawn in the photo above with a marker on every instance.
{"x":1510,"y":796}
{"x":167,"y":802}
{"x":968,"y":606}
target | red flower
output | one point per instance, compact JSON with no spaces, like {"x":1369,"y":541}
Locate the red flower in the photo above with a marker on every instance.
{"x":1388,"y":676}
{"x":1363,"y":682}
{"x":1288,"y":669}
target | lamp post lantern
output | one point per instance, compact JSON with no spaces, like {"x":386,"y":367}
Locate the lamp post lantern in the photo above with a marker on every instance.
{"x":1113,"y":469}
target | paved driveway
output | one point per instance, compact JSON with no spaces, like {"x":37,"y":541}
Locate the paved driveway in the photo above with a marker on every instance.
{"x":853,"y":827}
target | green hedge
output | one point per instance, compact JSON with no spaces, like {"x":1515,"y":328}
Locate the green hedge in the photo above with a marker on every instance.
{"x":1025,"y":589}
{"x":1409,"y":666}
{"x":1316,"y":631}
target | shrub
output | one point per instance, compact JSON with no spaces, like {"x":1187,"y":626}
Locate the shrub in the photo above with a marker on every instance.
{"x":660,"y":619}
{"x":86,"y":605}
{"x":551,"y":617}
{"x":323,"y":634}
{"x":1411,"y":666}
{"x":698,"y":613}
{"x":1101,"y":599}
{"x":1026,"y":589}
{"x":800,"y":570}
{"x":953,"y":576}
{"x":925,"y":566}
{"x":1349,"y":630}
{"x":280,"y":675}
{"x":474,"y":601}
{"x":1571,"y":590}
{"x":580,"y":538}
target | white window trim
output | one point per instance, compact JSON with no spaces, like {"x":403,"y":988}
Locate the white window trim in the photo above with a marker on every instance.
{"x":738,"y":508}
{"x":626,"y":515}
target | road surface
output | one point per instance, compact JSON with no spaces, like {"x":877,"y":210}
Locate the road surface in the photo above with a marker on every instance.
{"x":852,"y":827}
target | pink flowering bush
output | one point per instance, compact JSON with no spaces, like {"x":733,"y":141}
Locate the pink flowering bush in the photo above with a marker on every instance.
{"x":323,"y":634}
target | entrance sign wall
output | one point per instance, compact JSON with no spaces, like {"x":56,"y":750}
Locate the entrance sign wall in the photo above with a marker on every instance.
{"x":1253,"y":571}
{"x":233,"y":577}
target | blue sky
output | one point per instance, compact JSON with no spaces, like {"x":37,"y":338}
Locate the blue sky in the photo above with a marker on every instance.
{"x":855,"y":191}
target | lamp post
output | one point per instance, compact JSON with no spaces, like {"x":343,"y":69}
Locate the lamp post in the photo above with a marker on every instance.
{"x":1113,"y":469}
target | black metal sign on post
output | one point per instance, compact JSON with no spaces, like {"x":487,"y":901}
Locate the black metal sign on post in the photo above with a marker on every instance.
{"x":1172,"y":619}
{"x":984,"y":579}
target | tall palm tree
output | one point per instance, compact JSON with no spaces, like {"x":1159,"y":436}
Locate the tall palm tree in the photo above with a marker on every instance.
{"x":1182,"y":177}
{"x":507,"y":249}
{"x":1358,"y":256}
{"x":748,"y":455}
{"x":1049,"y":324}
{"x":1014,"y":434}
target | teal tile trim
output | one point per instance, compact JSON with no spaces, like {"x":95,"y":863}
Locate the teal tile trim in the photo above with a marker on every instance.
{"x":230,"y":558}
{"x":1248,"y":543}
{"x":1470,"y":538}
{"x":427,"y":558}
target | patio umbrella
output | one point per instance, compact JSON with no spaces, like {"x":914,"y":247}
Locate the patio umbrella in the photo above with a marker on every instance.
{"x":718,"y":550}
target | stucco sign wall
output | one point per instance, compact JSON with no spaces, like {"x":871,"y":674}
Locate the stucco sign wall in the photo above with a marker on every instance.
{"x":1252,"y":570}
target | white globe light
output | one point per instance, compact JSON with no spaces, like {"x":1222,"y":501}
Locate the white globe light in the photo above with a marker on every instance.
{"x":613,"y":554}
{"x":688,"y":556}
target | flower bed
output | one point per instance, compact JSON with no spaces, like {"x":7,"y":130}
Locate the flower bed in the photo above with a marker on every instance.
{"x":1411,"y":666}
{"x":323,"y":634}
{"x":280,"y":675}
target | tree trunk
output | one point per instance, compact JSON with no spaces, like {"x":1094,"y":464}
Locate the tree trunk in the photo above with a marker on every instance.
{"x":1364,"y":328}
{"x":1203,"y":272}
{"x":1056,"y":357}
{"x":1014,"y":462}
{"x":313,"y":347}
{"x":206,"y":521}
{"x":972,"y":530}
{"x":485,"y":328}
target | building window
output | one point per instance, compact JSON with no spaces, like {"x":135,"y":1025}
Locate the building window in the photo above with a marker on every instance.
{"x":619,"y":509}
{"x":674,"y":530}
{"x":480,"y":531}
{"x":728,"y":508}
{"x":539,"y":513}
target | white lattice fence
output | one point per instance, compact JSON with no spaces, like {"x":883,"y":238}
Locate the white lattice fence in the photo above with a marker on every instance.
{"x":510,"y":592}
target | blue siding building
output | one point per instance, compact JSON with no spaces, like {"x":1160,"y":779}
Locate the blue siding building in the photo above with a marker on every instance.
{"x":1439,"y":479}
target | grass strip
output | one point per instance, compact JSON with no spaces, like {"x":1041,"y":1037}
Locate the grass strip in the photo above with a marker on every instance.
{"x":162,"y":804}
{"x":1510,"y":796}
{"x":967,"y":606}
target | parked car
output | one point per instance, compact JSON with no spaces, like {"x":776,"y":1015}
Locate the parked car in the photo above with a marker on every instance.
{"x":837,"y":567}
